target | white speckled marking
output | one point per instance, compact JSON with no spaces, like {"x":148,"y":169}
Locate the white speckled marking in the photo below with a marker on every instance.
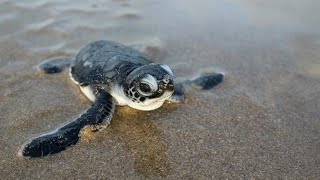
{"x":87,"y":63}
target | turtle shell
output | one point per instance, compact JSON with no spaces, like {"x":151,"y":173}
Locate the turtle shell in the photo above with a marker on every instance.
{"x":101,"y":61}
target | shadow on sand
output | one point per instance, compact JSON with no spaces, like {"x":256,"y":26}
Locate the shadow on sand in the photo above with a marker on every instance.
{"x":143,"y":140}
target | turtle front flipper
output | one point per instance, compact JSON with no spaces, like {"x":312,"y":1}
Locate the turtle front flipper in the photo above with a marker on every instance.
{"x":54,"y":65}
{"x":54,"y":142}
{"x":204,"y":82}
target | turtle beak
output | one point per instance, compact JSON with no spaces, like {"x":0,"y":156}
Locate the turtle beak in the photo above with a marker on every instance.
{"x":170,"y":86}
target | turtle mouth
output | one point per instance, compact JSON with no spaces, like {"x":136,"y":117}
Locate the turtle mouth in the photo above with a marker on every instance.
{"x":155,"y":104}
{"x":147,"y":107}
{"x":166,"y":95}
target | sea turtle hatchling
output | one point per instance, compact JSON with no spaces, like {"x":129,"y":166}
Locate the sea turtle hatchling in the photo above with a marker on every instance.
{"x":109,"y":74}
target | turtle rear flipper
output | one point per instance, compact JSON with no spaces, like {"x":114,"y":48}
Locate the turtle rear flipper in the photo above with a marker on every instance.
{"x":100,"y":112}
{"x":204,"y":82}
{"x":207,"y":81}
{"x":54,"y":65}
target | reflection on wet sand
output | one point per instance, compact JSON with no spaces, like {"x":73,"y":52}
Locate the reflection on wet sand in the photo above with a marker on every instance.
{"x":143,"y":140}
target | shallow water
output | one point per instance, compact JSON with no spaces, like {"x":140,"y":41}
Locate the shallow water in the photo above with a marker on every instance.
{"x":261,"y":122}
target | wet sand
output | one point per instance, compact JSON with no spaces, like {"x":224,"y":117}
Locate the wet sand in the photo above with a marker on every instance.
{"x":262,"y":122}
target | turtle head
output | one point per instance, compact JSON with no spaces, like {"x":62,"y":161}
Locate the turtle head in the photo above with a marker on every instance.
{"x":148,"y":86}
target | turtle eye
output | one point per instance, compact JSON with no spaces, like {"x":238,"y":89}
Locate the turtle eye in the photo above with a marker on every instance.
{"x":145,"y":88}
{"x":148,"y":85}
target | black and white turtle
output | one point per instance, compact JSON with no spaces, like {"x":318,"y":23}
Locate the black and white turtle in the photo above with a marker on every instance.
{"x":110,"y":74}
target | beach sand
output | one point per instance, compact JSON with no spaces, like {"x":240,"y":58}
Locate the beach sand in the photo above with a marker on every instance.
{"x":262,"y":122}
